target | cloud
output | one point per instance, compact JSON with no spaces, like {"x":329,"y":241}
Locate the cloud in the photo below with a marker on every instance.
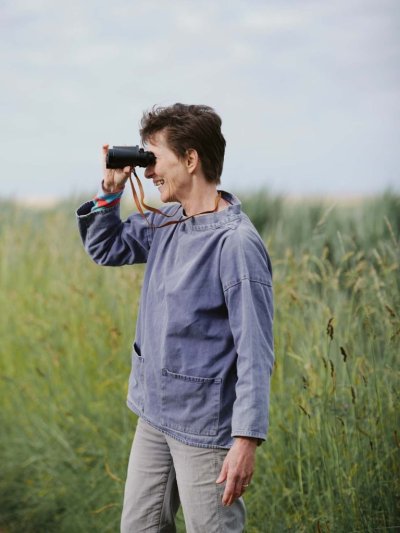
{"x":299,"y":82}
{"x":270,"y":19}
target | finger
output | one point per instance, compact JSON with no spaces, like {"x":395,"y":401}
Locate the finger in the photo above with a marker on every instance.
{"x":239,"y":486}
{"x":233,"y":489}
{"x":223,"y":474}
{"x":237,"y":492}
{"x":229,"y":491}
{"x":105,"y":148}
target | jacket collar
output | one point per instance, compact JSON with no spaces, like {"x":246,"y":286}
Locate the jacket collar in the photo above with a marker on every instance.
{"x":220,"y":218}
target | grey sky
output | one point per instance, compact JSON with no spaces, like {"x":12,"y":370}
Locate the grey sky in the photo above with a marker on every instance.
{"x":308,"y":90}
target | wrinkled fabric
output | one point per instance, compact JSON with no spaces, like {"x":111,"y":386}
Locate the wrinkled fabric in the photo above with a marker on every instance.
{"x":159,"y":465}
{"x":203,"y":350}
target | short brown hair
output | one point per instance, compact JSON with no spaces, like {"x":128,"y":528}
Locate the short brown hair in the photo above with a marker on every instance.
{"x":189,"y":126}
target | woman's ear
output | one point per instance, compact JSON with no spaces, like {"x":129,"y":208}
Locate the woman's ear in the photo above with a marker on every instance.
{"x":192,"y":159}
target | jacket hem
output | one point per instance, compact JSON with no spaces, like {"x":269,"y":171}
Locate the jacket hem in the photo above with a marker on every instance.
{"x":138,"y":412}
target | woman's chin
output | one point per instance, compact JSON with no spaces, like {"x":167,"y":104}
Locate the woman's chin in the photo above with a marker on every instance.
{"x":165,"y":197}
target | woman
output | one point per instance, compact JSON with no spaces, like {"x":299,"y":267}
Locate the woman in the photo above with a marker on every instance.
{"x":203,"y":350}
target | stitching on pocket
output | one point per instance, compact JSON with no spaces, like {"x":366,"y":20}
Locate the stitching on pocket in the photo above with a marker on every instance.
{"x":190,"y":404}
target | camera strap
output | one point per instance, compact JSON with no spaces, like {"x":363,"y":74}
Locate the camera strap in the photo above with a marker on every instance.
{"x":141,"y":202}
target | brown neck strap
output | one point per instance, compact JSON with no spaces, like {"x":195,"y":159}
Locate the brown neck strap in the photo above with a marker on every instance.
{"x":141,"y":202}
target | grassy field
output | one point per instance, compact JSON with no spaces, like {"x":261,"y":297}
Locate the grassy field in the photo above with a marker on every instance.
{"x":331,"y":462}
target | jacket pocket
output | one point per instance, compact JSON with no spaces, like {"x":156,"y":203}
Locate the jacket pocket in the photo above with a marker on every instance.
{"x":190,"y":404}
{"x":136,"y":385}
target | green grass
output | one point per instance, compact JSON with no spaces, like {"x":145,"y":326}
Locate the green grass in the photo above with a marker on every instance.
{"x":331,"y":462}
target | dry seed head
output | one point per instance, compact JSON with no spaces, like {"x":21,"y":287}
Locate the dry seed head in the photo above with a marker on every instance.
{"x":110,"y":474}
{"x":304,"y":410}
{"x":390,"y":311}
{"x":40,"y":372}
{"x":353,"y":395}
{"x":293,"y":295}
{"x":332,"y":368}
{"x":329,"y":328}
{"x":389,"y":226}
{"x":343,"y":352}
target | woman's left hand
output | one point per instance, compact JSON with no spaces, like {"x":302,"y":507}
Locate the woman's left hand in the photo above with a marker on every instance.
{"x":237,"y":469}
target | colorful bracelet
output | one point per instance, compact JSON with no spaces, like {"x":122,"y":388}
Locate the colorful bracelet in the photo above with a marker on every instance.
{"x":104,"y":200}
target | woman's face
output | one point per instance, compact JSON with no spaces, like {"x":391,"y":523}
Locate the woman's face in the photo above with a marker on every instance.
{"x":169,"y":173}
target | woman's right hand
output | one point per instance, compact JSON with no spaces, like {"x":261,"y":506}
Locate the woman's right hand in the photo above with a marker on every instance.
{"x":114,"y":179}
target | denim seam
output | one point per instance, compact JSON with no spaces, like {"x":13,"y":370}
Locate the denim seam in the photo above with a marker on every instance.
{"x":231,"y":284}
{"x":247,"y":433}
{"x":148,"y":237}
{"x":164,"y":488}
{"x":217,"y":494}
{"x":214,"y":225}
{"x":184,"y":441}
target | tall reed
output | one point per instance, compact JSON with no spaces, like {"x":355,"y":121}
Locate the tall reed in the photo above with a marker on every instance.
{"x":331,"y":461}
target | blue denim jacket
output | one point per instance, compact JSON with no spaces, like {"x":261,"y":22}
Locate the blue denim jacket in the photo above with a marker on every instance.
{"x":203,"y":351}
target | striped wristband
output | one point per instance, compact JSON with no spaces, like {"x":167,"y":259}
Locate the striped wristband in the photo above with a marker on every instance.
{"x":104,"y":200}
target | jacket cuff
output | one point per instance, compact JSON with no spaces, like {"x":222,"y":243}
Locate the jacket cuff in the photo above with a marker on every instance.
{"x":259,"y":437}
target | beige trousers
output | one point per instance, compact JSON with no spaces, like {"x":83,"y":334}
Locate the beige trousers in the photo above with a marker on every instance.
{"x":164,"y":473}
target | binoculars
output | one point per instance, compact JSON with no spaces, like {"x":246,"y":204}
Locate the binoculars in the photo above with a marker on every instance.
{"x":132,"y":156}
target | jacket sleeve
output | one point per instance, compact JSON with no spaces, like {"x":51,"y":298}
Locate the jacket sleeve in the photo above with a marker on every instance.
{"x":110,"y":241}
{"x":247,"y":285}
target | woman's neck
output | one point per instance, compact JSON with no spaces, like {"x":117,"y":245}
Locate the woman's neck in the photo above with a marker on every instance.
{"x":203,"y":197}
